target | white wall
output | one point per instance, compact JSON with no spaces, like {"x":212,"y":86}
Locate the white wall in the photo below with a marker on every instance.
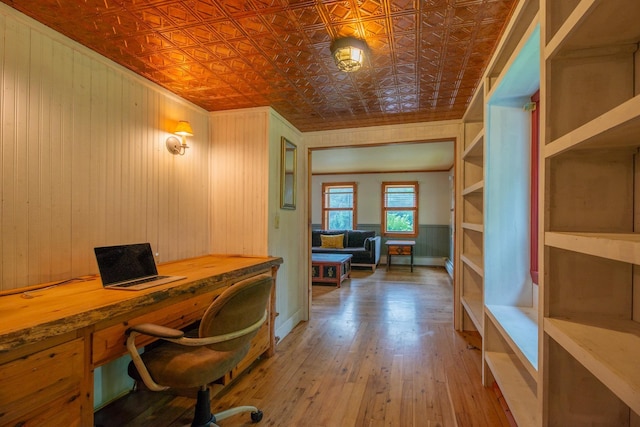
{"x":411,"y":132}
{"x":245,"y":206}
{"x":239,"y":188}
{"x":287,"y":231}
{"x":434,"y":193}
{"x":83,"y":160}
{"x":507,"y":207}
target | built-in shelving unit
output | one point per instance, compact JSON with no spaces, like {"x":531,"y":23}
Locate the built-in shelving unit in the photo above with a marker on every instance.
{"x":496,"y":293}
{"x":571,"y":359}
{"x":471,"y":286}
{"x":511,"y":309}
{"x":591,"y":135}
{"x":517,"y":387}
{"x":449,"y":262}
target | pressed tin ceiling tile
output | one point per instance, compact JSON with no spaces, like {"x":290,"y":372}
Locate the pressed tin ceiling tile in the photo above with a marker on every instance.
{"x":368,"y":8}
{"x":426,"y":56}
{"x":306,"y":16}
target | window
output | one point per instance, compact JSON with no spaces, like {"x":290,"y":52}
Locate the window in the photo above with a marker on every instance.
{"x":535,"y":146}
{"x":400,"y":209}
{"x":339,"y":206}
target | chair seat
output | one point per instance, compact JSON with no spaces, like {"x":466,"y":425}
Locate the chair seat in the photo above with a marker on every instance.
{"x":178,"y":366}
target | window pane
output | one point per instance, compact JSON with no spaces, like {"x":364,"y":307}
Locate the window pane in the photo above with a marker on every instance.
{"x":339,"y":210}
{"x":339,"y":198}
{"x":400,"y":221}
{"x":340,"y":220}
{"x":400,"y":197}
{"x":400,"y":208}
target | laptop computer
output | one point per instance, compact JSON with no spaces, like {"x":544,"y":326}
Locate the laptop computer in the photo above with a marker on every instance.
{"x":129,"y":267}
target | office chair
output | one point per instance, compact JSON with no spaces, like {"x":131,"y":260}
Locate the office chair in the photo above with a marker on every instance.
{"x":224,"y":335}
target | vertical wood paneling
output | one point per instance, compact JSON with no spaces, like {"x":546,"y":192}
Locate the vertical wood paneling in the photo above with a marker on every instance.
{"x":3,"y":186}
{"x":99,"y":147}
{"x":83,"y":160}
{"x":61,"y":119}
{"x":435,"y":242}
{"x":80,"y":141}
{"x":151,"y":134}
{"x":245,"y":199}
{"x":13,"y":168}
{"x":112,"y":141}
{"x":36,"y":154}
{"x":240,"y":162}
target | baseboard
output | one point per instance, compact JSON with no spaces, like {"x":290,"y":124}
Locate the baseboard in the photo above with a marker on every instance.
{"x":448,"y":264}
{"x":420,"y":261}
{"x":288,"y":325}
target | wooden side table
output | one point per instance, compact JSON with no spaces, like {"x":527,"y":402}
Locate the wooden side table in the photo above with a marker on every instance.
{"x":399,"y":247}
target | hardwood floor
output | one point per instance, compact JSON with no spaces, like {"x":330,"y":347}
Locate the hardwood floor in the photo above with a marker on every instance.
{"x":379,"y":351}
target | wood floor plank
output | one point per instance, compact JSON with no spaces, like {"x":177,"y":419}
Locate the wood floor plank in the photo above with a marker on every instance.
{"x":378,"y":351}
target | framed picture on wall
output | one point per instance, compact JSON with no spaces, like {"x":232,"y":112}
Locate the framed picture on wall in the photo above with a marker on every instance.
{"x":288,"y":174}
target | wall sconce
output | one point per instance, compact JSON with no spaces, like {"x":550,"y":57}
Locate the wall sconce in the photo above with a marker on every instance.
{"x":174,"y":145}
{"x":348,"y":52}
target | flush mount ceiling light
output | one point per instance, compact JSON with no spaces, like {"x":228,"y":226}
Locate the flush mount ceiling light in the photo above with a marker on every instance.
{"x":348,"y":52}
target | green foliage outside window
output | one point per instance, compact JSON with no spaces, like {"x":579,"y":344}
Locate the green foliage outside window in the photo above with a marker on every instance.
{"x":399,"y":221}
{"x":400,"y":208}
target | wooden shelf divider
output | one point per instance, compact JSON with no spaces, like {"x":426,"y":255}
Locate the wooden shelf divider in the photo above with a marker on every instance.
{"x":515,"y":386}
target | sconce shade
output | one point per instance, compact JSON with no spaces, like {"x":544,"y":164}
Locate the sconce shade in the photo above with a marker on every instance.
{"x":348,"y":52}
{"x":183,"y":129}
{"x":174,"y":145}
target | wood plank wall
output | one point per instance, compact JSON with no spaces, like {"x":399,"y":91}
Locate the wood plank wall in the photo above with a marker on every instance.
{"x":83,"y":160}
{"x":240,"y":171}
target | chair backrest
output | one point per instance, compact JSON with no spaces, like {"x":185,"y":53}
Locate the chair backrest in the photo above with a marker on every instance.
{"x":238,"y":307}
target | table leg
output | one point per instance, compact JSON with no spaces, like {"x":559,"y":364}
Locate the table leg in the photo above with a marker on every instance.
{"x":411,"y":258}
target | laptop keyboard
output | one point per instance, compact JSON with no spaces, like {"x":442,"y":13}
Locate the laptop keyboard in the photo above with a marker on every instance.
{"x":140,"y":281}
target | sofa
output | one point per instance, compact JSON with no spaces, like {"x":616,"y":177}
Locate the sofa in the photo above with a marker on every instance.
{"x":363,"y":245}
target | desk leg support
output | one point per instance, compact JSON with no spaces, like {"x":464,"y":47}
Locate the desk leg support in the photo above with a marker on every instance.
{"x":86,"y":410}
{"x":273,"y":340}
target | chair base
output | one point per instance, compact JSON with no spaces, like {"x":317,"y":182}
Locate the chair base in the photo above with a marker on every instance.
{"x":204,"y":418}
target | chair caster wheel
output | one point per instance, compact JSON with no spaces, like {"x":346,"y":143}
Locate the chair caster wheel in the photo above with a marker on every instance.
{"x":256,"y":417}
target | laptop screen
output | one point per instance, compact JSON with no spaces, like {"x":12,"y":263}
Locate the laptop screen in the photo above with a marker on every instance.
{"x":125,"y":262}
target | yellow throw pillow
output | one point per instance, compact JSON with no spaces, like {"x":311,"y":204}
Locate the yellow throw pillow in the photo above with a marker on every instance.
{"x":332,"y":241}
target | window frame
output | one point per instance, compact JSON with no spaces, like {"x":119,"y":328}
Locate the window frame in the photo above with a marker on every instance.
{"x":535,"y":165}
{"x":326,"y":210}
{"x":415,"y":209}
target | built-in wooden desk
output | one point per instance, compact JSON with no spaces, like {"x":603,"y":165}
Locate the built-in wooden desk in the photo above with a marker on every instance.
{"x":52,"y":339}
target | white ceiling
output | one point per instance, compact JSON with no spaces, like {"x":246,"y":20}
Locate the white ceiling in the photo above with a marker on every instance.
{"x":410,"y":157}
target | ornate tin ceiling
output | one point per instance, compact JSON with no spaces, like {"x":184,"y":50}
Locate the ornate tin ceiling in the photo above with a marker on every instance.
{"x":427,"y":56}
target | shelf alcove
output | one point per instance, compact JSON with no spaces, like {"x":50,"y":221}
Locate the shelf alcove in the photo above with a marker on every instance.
{"x":511,"y":297}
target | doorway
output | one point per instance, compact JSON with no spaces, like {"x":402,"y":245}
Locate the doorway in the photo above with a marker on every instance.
{"x":431,"y":162}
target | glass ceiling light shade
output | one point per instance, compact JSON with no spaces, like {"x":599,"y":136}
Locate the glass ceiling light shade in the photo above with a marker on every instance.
{"x":348,"y":52}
